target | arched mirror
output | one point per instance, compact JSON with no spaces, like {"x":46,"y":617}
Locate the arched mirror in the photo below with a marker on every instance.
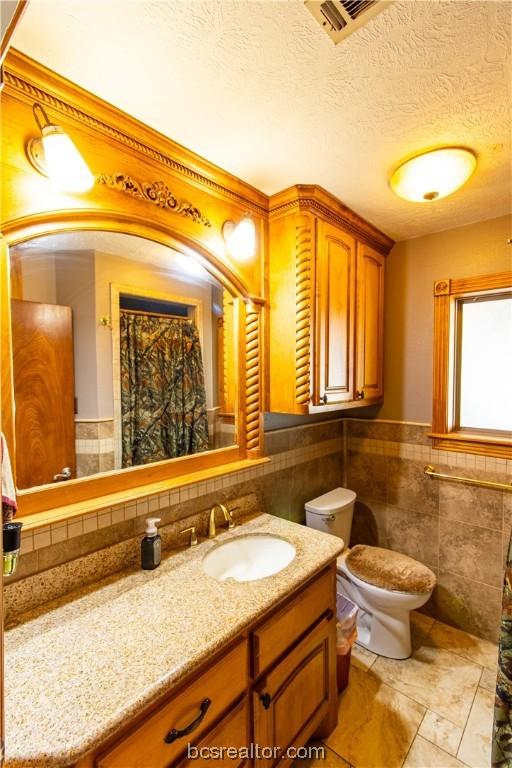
{"x":124,"y":354}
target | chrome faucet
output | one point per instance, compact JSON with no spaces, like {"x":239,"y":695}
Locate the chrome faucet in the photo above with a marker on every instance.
{"x":212,"y":530}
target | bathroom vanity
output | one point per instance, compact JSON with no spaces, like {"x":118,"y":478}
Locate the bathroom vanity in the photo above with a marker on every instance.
{"x":216,"y":664}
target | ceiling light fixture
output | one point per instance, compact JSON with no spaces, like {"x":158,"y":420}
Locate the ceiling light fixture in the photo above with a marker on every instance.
{"x":54,"y":155}
{"x":433,"y":175}
{"x":240,"y":238}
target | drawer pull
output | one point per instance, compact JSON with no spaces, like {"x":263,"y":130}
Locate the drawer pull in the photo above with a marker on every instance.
{"x":265,"y":699}
{"x":175,"y":734}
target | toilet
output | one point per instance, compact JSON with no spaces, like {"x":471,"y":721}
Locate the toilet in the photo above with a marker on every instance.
{"x":385,"y":585}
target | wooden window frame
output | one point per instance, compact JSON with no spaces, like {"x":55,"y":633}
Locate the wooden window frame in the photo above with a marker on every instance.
{"x":445,"y":433}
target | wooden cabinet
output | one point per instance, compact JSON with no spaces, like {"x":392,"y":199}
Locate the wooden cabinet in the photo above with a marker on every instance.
{"x":370,"y":322}
{"x":335,"y":303}
{"x":326,"y":286}
{"x":233,"y":731}
{"x":294,"y":696}
{"x":275,"y":688}
{"x":160,"y":739}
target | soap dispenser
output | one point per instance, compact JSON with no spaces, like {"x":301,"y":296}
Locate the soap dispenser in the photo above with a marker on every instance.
{"x":11,"y":547}
{"x":151,"y":545}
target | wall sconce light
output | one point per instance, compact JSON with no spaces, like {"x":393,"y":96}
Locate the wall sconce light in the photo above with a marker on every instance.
{"x":54,"y":155}
{"x":434,"y":174}
{"x":240,"y":238}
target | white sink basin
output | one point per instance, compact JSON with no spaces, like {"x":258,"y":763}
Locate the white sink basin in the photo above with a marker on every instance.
{"x":248,"y":558}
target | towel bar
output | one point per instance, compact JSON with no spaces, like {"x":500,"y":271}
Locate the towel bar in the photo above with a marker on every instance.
{"x":431,"y":472}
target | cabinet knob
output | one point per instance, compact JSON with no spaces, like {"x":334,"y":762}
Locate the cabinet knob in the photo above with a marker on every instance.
{"x":324,"y":399}
{"x":266,"y":699}
{"x":359,"y":394}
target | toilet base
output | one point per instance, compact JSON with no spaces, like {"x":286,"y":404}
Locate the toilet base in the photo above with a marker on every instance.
{"x":388,"y":636}
{"x":383,"y":622}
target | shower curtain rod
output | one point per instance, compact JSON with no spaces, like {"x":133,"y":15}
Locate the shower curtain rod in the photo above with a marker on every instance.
{"x":431,"y":472}
{"x":153,"y":314}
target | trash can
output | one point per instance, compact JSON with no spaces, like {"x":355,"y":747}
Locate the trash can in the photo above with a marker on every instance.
{"x":346,"y":634}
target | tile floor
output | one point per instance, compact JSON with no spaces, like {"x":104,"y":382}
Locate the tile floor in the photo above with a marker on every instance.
{"x":433,"y":710}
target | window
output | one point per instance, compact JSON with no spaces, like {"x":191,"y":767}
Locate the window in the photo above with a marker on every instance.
{"x":473,"y":365}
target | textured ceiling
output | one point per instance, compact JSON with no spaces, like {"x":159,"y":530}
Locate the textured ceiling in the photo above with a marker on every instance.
{"x":259,"y":89}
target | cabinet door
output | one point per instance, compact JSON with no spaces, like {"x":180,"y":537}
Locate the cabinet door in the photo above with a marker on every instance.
{"x":335,"y":299}
{"x":295,"y":697}
{"x":370,"y":323}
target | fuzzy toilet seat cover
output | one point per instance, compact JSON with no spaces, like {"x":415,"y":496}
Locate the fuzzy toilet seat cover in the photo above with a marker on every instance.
{"x":389,"y":570}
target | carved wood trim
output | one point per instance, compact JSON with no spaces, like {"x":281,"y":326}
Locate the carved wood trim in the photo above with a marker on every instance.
{"x":33,"y":93}
{"x":303,"y":314}
{"x":252,"y":378}
{"x":155,"y":192}
{"x":348,"y":220}
{"x":441,"y":288}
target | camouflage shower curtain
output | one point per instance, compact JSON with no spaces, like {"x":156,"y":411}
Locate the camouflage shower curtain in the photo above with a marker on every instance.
{"x":502,"y":737}
{"x":163,"y":398}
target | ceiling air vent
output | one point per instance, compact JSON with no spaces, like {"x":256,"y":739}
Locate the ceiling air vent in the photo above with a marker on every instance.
{"x":339,"y":18}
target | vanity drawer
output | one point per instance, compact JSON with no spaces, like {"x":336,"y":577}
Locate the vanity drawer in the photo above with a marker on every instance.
{"x":232,"y":731}
{"x":277,"y":634}
{"x":145,"y":747}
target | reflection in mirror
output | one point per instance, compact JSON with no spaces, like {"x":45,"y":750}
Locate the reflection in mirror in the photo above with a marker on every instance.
{"x":123,"y":354}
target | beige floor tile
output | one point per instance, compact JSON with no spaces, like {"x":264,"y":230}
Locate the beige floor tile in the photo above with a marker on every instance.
{"x":473,"y":648}
{"x":331,"y":759}
{"x":421,"y":620}
{"x":423,"y":754}
{"x":475,"y":747}
{"x":440,"y":680}
{"x":376,"y":724}
{"x":362,"y":657}
{"x":420,"y":627}
{"x":441,"y":732}
{"x":488,"y":679}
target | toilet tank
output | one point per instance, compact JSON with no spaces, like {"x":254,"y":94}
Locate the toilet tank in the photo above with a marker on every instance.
{"x":332,"y":513}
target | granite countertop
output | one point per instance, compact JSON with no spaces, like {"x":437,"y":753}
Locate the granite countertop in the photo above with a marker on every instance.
{"x":77,"y":672}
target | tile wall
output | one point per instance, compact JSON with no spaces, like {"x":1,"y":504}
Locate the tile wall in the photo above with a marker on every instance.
{"x":461,"y":532}
{"x":94,"y":445}
{"x":304,"y":462}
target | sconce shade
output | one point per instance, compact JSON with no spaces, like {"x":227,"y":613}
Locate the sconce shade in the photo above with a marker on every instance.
{"x":55,"y":156}
{"x":240,"y":238}
{"x":433,"y":175}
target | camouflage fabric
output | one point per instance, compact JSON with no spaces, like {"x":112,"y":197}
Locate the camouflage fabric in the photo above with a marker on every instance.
{"x":502,"y":736}
{"x":163,"y":398}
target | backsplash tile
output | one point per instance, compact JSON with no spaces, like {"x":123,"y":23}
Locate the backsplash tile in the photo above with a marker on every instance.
{"x":310,"y":463}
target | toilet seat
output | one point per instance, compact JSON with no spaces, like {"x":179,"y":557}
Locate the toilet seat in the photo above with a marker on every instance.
{"x":389,"y":570}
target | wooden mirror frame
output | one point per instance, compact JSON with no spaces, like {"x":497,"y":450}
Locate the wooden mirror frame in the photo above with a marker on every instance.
{"x":148,"y":198}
